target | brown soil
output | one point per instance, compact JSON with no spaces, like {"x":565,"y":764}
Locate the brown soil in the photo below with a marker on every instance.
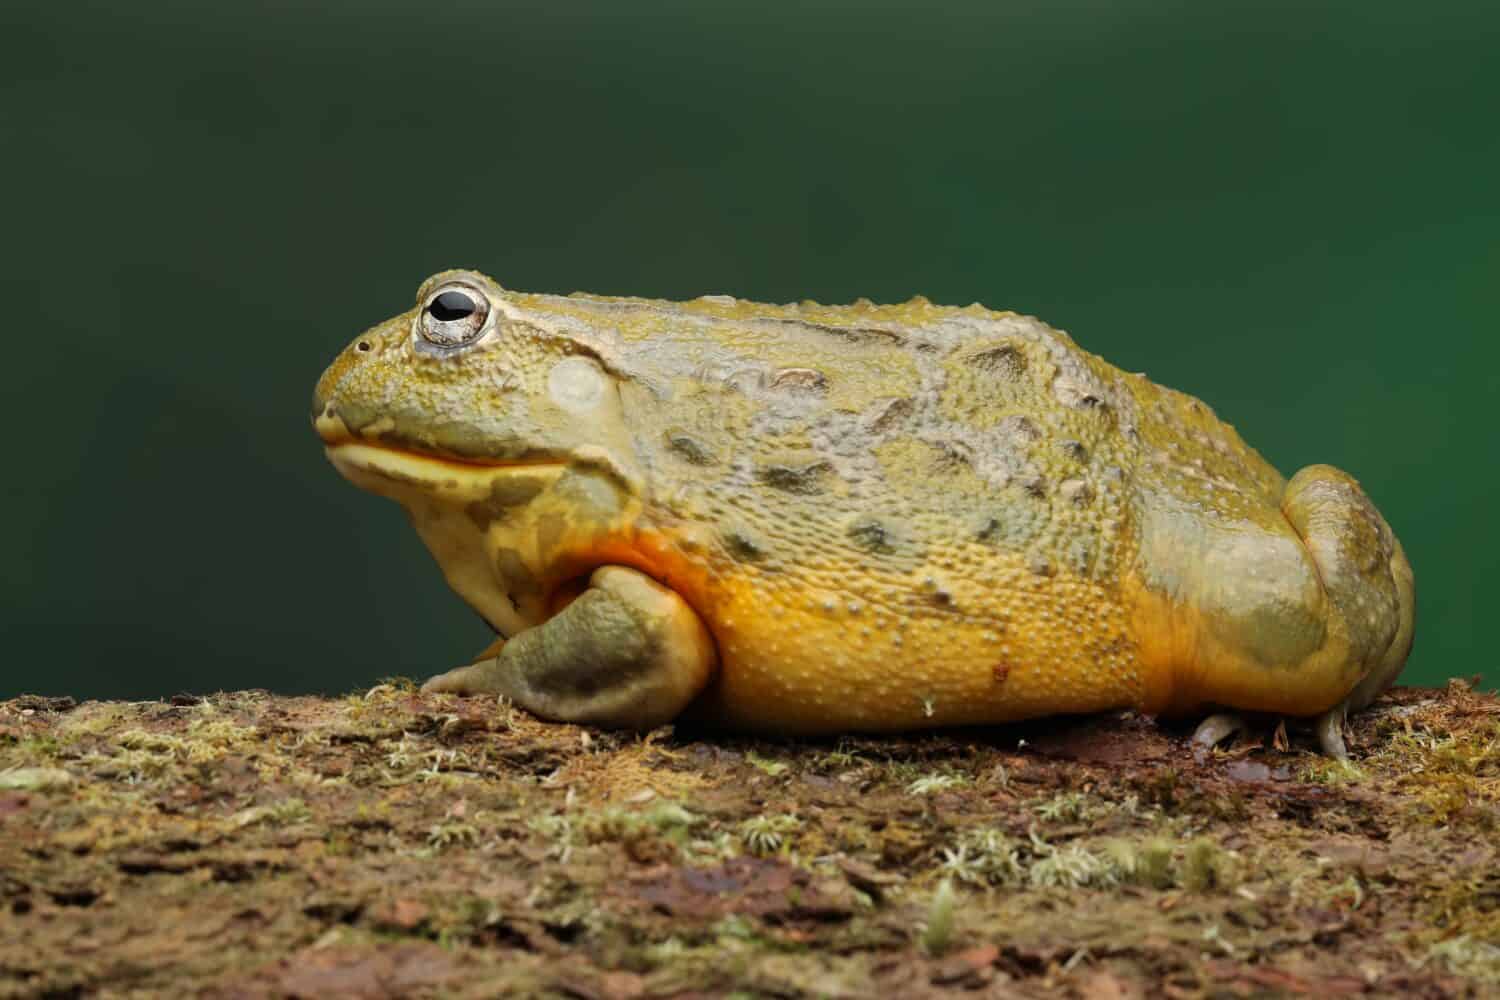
{"x":395,"y":844}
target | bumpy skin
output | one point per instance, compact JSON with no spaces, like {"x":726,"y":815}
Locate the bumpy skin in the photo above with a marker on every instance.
{"x":884,"y":517}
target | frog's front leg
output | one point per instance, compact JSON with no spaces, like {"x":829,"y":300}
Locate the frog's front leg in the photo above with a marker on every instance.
{"x":627,"y":653}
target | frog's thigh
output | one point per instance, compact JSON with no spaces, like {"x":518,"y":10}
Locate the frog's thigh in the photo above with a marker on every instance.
{"x":1362,"y":611}
{"x":627,"y":653}
{"x":1369,"y":583}
{"x":1363,"y":570}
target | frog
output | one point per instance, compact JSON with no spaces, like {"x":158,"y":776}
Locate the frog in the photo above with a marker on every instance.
{"x":810,"y":519}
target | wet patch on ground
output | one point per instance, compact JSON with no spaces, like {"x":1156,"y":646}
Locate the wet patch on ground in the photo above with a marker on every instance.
{"x":398,"y":844}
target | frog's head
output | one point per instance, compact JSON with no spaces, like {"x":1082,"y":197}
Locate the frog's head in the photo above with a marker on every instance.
{"x":501,"y":435}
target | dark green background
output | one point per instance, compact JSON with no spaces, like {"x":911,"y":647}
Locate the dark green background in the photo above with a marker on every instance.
{"x":1290,"y":210}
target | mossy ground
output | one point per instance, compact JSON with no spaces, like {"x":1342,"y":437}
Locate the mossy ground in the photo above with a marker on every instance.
{"x":396,"y":844}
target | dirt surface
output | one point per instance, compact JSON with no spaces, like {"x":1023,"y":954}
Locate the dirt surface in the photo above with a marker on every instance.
{"x":395,"y":844}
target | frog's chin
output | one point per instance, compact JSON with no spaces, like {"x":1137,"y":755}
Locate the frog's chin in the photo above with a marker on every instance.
{"x":466,"y":513}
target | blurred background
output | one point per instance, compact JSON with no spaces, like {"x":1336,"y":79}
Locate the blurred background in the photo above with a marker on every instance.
{"x":1289,"y":209}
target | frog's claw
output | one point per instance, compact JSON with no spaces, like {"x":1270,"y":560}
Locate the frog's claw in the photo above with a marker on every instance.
{"x":628,"y":653}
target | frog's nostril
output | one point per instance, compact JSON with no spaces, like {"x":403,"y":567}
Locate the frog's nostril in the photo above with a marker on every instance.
{"x":363,"y":345}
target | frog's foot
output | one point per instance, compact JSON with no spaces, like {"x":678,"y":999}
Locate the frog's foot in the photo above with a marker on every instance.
{"x":1367,"y":580}
{"x":1215,"y":730}
{"x":627,"y":653}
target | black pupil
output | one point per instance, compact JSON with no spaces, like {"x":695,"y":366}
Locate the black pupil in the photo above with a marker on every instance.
{"x":451,"y":306}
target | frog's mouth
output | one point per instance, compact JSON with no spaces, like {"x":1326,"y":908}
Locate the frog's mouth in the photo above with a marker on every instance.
{"x":454,"y":480}
{"x":481,"y":522}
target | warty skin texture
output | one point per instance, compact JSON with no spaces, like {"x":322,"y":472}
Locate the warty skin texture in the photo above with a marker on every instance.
{"x":885,"y":517}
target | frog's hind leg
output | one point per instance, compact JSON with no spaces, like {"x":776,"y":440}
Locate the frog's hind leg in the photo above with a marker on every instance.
{"x":627,"y":653}
{"x":1366,"y":578}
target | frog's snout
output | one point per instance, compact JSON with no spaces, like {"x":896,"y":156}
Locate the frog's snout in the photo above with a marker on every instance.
{"x":328,"y":421}
{"x":326,"y":418}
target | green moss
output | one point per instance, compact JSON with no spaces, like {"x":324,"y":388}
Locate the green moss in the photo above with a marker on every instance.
{"x":1330,"y":771}
{"x":1150,"y":863}
{"x":549,"y":859}
{"x":768,"y":834}
{"x":931,"y":784}
{"x":1206,"y":866}
{"x":773,"y":768}
{"x":286,"y":812}
{"x":1464,"y":956}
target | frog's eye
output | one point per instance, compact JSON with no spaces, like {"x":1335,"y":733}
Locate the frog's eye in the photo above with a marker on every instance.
{"x":454,"y":317}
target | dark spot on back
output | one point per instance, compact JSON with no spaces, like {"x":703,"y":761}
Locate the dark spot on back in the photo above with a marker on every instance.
{"x":896,"y":412}
{"x":937,"y":593}
{"x":1034,"y":486}
{"x":1074,"y":450}
{"x":1020,"y":428}
{"x":872,"y":336}
{"x":1006,"y":361}
{"x":743,"y":547}
{"x":744,"y":380}
{"x":689,"y":448}
{"x":1076,"y":491}
{"x":872,"y":536}
{"x":800,"y":379}
{"x":1073,"y":393}
{"x":806,"y":480}
{"x":951,"y":456}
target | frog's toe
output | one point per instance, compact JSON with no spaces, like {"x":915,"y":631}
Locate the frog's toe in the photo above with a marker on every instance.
{"x":1330,"y":730}
{"x":480,"y":677}
{"x":1215,"y":730}
{"x":476,"y":678}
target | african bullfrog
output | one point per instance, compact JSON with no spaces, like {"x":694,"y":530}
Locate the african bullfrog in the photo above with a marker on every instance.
{"x":806,"y":518}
